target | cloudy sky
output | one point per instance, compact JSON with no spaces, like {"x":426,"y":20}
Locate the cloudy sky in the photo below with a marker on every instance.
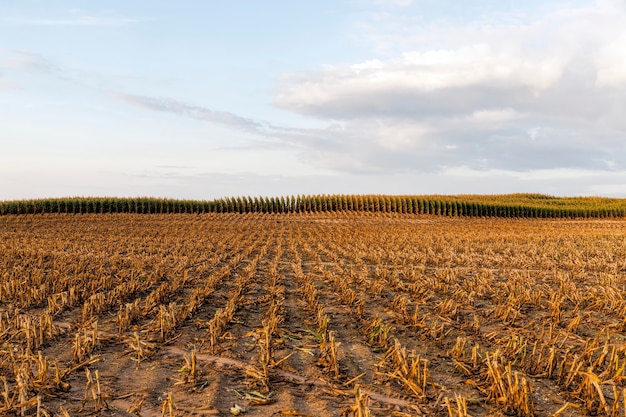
{"x":204,"y":99}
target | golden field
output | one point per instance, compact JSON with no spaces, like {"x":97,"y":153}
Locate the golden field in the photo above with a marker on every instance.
{"x":311,"y":314}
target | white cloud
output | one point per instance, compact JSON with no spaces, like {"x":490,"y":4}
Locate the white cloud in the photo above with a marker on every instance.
{"x":405,"y":135}
{"x":518,"y":93}
{"x":611,"y":63}
{"x":420,"y":72}
{"x":169,"y":105}
{"x":494,"y":116}
{"x":475,"y":64}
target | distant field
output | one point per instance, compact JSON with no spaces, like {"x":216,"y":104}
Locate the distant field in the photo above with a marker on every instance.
{"x":311,"y":314}
{"x":506,"y":205}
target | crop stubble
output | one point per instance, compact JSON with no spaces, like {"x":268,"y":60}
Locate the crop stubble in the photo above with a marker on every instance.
{"x":311,"y":315}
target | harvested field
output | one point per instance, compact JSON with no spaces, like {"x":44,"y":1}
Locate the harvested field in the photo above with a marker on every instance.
{"x":322,"y":314}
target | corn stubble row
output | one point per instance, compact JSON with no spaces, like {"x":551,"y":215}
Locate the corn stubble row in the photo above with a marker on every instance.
{"x":458,"y":317}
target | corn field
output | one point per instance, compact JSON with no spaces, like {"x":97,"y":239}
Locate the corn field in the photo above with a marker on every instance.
{"x":508,"y":205}
{"x":338,"y":311}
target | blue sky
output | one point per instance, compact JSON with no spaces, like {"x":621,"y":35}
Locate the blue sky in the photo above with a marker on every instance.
{"x":203,"y":99}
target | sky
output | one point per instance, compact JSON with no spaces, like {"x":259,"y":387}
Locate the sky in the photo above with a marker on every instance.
{"x":205,"y":99}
